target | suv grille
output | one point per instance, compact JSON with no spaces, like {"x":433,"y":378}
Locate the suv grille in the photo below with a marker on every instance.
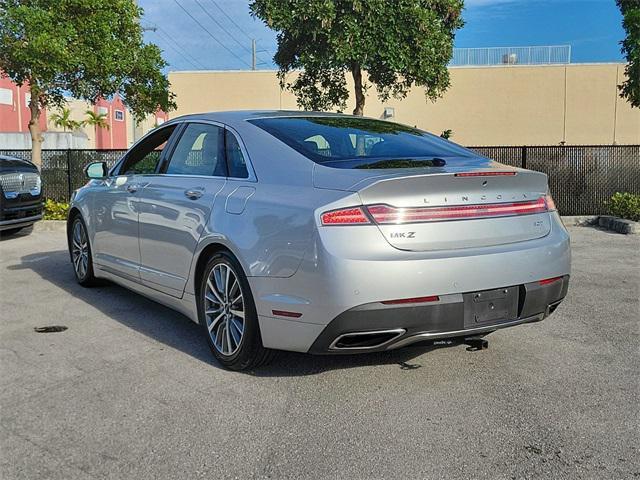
{"x":13,"y":184}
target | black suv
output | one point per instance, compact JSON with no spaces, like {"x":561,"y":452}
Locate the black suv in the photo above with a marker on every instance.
{"x":20,"y":195}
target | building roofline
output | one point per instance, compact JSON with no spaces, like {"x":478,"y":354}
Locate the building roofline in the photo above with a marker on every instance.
{"x":573,"y":64}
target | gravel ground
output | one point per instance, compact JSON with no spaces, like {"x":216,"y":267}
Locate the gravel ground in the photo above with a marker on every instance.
{"x":130,"y":389}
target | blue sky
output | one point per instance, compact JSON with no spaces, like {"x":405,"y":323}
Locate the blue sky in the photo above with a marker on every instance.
{"x":591,"y":27}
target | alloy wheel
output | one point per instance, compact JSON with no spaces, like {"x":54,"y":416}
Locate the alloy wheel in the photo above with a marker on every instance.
{"x":80,"y":250}
{"x":224,"y":309}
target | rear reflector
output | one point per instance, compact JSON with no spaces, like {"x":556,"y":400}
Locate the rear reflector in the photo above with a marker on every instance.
{"x":484,"y":174}
{"x":547,"y":281}
{"x":345,"y":216}
{"x":432,"y":298}
{"x":285,"y":313}
{"x":385,"y":214}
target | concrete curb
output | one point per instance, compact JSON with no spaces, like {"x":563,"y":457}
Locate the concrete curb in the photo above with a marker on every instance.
{"x":50,"y":226}
{"x":619,"y":225}
{"x":580,"y":220}
{"x":608,"y":222}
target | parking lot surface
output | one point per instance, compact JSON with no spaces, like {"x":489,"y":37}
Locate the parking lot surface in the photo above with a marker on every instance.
{"x":130,"y":389}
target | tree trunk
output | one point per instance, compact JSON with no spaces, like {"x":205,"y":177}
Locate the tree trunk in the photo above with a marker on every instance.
{"x":34,"y":129}
{"x":356,"y":71}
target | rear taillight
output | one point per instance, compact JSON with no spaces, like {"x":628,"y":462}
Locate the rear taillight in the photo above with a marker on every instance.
{"x":551,"y":205}
{"x":385,"y":214}
{"x":345,"y":216}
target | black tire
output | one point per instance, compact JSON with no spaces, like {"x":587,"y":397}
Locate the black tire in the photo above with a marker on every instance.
{"x":84,"y":276}
{"x":249,"y":352}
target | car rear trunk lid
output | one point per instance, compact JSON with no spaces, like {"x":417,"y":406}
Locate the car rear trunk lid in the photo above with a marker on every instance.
{"x":456,"y":208}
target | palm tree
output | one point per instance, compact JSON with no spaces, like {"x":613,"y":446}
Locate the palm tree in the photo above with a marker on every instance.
{"x":62,"y":119}
{"x":98,"y":120}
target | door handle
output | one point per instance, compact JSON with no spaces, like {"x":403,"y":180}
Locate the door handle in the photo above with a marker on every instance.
{"x":132,"y":188}
{"x":193,"y":193}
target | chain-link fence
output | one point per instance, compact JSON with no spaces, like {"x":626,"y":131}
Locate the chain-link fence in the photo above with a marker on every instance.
{"x":581,"y":178}
{"x":63,"y":170}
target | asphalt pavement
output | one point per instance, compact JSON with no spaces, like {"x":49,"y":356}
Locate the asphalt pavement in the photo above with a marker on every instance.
{"x":130,"y":390}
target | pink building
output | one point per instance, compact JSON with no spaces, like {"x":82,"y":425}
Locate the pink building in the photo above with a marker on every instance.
{"x":115,"y":137}
{"x":14,"y":108}
{"x":161,"y":117}
{"x":122,"y":131}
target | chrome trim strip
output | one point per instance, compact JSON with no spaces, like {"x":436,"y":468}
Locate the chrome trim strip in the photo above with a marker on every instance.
{"x":397,"y":331}
{"x":34,"y":218}
{"x":177,"y":122}
{"x":463,"y":333}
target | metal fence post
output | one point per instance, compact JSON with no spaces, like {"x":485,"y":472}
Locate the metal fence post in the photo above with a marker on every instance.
{"x":524,"y":157}
{"x":69,"y":187}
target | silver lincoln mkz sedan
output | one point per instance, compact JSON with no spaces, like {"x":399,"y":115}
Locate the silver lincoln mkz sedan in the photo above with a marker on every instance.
{"x":320,"y":233}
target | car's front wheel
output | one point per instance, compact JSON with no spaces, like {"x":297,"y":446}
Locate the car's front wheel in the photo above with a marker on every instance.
{"x":228,"y":315}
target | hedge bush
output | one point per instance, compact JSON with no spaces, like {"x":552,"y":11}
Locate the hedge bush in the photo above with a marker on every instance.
{"x":625,"y":205}
{"x":55,"y":210}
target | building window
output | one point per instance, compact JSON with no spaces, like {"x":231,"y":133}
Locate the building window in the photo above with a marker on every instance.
{"x":6,"y":96}
{"x":118,"y":115}
{"x":103,"y":111}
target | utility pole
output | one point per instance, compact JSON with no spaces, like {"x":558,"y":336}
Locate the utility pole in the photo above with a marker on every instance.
{"x":253,"y":54}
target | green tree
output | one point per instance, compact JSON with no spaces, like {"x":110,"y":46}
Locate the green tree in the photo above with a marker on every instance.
{"x":88,"y":48}
{"x":446,"y":134}
{"x":62,"y":119}
{"x":630,"y":89}
{"x":98,"y":120}
{"x":397,"y":43}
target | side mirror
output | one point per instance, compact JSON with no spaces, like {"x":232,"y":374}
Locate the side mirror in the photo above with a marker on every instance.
{"x":96,"y":170}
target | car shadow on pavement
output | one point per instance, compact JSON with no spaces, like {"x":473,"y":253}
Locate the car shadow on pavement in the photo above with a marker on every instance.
{"x":4,"y":236}
{"x":176,"y":331}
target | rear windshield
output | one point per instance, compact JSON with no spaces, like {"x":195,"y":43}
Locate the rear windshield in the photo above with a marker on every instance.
{"x":354,"y":142}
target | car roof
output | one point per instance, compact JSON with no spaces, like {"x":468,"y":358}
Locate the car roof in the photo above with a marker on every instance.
{"x":232,"y":117}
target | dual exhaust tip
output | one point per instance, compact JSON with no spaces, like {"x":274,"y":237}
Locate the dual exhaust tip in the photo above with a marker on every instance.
{"x":366,"y":340}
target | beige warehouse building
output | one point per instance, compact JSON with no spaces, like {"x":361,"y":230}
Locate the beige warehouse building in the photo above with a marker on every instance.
{"x":488,"y":105}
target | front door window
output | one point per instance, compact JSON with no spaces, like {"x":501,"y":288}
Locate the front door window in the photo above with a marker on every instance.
{"x":144,"y":158}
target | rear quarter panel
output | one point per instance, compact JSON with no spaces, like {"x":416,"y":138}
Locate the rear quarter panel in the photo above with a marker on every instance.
{"x":270,"y":228}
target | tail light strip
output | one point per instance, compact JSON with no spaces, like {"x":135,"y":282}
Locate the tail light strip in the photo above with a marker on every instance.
{"x":484,"y":174}
{"x":386,"y":214}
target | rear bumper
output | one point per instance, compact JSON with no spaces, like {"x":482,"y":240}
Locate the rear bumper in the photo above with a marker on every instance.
{"x":341,"y":279}
{"x":447,"y":318}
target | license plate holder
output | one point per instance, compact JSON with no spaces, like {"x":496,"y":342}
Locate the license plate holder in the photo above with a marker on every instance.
{"x":490,"y":306}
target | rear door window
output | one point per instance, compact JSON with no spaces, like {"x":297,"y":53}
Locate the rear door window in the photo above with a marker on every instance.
{"x":199,"y":151}
{"x":236,"y":162}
